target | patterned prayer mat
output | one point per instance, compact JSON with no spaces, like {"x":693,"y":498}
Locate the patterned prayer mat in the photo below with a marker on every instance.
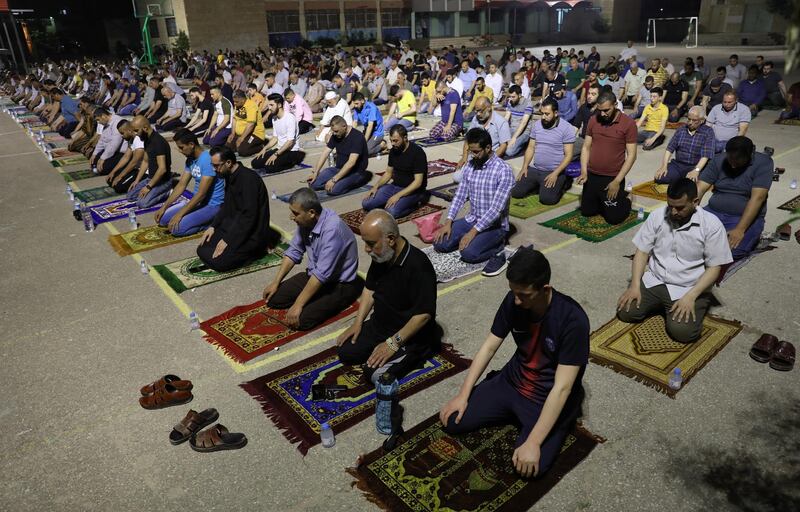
{"x":246,"y":332}
{"x":431,"y":470}
{"x":427,"y":142}
{"x":449,"y":266}
{"x":190,"y":273}
{"x":95,"y":194}
{"x":675,"y":126}
{"x":354,"y":218}
{"x":791,"y":205}
{"x":285,"y":395}
{"x":788,"y":122}
{"x":645,"y":352}
{"x":446,"y":192}
{"x":83,"y":174}
{"x":69,"y":160}
{"x":298,"y":167}
{"x":119,"y":208}
{"x":593,"y":229}
{"x":324,"y":196}
{"x":61,"y":144}
{"x":529,"y":206}
{"x":53,"y":137}
{"x":60,"y":153}
{"x":651,"y":189}
{"x":146,"y":239}
{"x":440,"y":168}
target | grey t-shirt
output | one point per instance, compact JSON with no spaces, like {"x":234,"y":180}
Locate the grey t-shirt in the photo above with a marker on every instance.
{"x":498,"y":129}
{"x":731,"y":194}
{"x":519,"y":111}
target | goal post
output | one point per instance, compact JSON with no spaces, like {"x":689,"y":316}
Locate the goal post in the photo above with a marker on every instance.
{"x":691,"y":30}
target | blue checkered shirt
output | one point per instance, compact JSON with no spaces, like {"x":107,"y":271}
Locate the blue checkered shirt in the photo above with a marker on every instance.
{"x":689,"y":149}
{"x":488,"y":190}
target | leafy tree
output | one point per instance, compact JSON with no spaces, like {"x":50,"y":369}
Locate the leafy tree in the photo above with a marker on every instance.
{"x":181,"y":44}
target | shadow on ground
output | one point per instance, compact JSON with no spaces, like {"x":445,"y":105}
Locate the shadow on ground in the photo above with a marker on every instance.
{"x":761,"y":476}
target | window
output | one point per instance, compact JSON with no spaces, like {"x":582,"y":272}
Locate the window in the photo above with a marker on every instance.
{"x":322,"y":19}
{"x":360,"y":18}
{"x":283,"y":21}
{"x":172,"y":27}
{"x":153,"y":26}
{"x":395,"y":18}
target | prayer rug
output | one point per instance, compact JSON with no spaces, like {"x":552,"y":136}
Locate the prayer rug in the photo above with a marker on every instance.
{"x":324,"y":196}
{"x":440,"y":168}
{"x":592,"y":229}
{"x":446,"y":192}
{"x":119,"y":208}
{"x":190,"y":273}
{"x":427,"y":142}
{"x":644,"y":351}
{"x":285,"y":395}
{"x":791,"y":205}
{"x":652,"y":190}
{"x":298,"y":167}
{"x":728,"y":270}
{"x":449,"y":266}
{"x":788,"y":122}
{"x":246,"y":332}
{"x":54,"y":137}
{"x":83,"y":174}
{"x":354,"y":218}
{"x":674,"y":126}
{"x":69,"y":160}
{"x":145,"y":239}
{"x":60,"y":144}
{"x":432,"y":470}
{"x":60,"y":153}
{"x":529,"y":206}
{"x":95,"y":194}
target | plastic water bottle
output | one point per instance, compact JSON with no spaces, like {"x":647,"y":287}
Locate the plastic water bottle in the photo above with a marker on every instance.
{"x":330,"y":159}
{"x":640,"y":214}
{"x":675,"y":379}
{"x":326,"y":435}
{"x":132,"y":220}
{"x":629,"y":187}
{"x":793,"y":184}
{"x":76,"y":210}
{"x":49,"y":154}
{"x":70,"y":194}
{"x":88,"y":221}
{"x":94,"y":169}
{"x":194,"y":322}
{"x":386,"y":393}
{"x":143,"y":267}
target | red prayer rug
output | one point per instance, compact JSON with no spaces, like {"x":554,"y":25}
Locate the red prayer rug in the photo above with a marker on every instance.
{"x":354,"y":218}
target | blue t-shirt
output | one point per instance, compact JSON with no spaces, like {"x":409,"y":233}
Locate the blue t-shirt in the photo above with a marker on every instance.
{"x":452,"y":100}
{"x":202,"y":167}
{"x":135,"y":90}
{"x":371,"y":114}
{"x":69,"y":107}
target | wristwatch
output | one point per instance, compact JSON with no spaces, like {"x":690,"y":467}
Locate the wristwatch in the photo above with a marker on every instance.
{"x":696,"y":169}
{"x":398,"y":339}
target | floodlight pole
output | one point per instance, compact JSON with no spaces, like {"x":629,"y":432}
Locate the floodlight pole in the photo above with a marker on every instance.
{"x":148,"y":49}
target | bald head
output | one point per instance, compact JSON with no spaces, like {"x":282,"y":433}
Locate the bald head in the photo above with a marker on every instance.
{"x":381,"y":236}
{"x":381,"y":222}
{"x":483,"y":109}
{"x":140,"y":123}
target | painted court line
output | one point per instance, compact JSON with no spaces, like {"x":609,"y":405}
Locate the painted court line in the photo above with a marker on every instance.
{"x":21,"y":154}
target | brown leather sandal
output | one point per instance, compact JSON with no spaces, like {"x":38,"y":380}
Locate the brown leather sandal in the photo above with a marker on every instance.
{"x":783,"y":357}
{"x":217,"y":438}
{"x":762,"y":349}
{"x":165,"y":397}
{"x":785,"y":231}
{"x":177,"y":383}
{"x":191,"y":424}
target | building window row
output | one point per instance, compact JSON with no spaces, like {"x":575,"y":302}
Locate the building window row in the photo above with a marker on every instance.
{"x":328,"y":19}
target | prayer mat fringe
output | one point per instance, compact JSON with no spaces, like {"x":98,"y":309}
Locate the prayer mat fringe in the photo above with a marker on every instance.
{"x":278,"y":418}
{"x":119,"y":245}
{"x":651,"y":383}
{"x":376,"y":498}
{"x":588,"y":433}
{"x":171,"y":279}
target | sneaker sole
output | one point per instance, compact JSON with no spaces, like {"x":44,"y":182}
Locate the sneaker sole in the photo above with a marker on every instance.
{"x":496,"y":272}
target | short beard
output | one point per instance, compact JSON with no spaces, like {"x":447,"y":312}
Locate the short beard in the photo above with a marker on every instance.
{"x":605,"y":121}
{"x":383,"y":258}
{"x":549,"y":124}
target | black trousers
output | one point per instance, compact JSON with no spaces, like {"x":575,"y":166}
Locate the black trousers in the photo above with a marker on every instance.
{"x":249,"y":147}
{"x":230,"y":259}
{"x":108,"y":165}
{"x":125,"y":183}
{"x":329,"y":301}
{"x":594,"y":200}
{"x":304,"y":126}
{"x":171,"y":125}
{"x":284,"y":161}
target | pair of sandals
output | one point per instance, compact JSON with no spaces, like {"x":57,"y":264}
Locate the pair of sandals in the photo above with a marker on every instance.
{"x":779,"y":354}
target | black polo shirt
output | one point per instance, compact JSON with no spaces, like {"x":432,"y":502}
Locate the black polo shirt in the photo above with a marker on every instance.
{"x":401,"y":290}
{"x":674,"y":92}
{"x":406,"y":164}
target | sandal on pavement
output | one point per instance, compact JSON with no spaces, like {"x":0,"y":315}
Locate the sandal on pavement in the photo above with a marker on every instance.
{"x":783,"y":357}
{"x":165,"y":397}
{"x":785,"y":231}
{"x":191,"y":424}
{"x":177,"y":383}
{"x":763,"y":348}
{"x":217,"y":438}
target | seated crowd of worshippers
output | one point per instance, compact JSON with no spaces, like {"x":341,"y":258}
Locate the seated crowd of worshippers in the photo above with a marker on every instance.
{"x":553,"y":111}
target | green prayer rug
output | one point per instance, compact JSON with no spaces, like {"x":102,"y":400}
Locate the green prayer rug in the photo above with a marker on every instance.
{"x":95,"y":194}
{"x":432,"y":470}
{"x":83,"y":174}
{"x":593,"y":229}
{"x":69,"y":160}
{"x":529,"y":206}
{"x":190,"y":273}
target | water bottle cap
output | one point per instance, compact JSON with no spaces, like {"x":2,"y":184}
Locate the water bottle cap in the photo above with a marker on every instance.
{"x":677,"y":371}
{"x":325,"y":426}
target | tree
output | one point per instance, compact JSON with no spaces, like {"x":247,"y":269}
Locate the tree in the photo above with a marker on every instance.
{"x":181,"y":44}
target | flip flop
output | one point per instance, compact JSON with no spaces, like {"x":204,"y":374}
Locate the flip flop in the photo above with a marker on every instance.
{"x":763,"y":348}
{"x":217,"y":438}
{"x":191,"y":424}
{"x":783,"y":357}
{"x":785,"y":231}
{"x":167,"y":396}
{"x":177,"y":383}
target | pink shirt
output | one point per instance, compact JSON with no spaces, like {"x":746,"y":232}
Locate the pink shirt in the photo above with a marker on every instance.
{"x":299,"y":108}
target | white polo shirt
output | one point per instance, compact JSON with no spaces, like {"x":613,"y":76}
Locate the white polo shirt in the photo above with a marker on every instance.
{"x":679,"y":256}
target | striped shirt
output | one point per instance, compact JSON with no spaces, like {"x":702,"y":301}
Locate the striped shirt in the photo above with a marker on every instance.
{"x":689,"y":148}
{"x":488,"y":190}
{"x":521,"y":109}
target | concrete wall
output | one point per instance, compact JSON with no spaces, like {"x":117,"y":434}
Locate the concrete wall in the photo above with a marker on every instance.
{"x":234,"y":24}
{"x":739,"y":16}
{"x":622,"y":17}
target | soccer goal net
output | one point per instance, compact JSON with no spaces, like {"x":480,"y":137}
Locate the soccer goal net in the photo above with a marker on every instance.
{"x":672,"y":30}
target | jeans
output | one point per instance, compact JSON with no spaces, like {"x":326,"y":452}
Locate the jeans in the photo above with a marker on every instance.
{"x":646,"y":134}
{"x":191,"y":223}
{"x":675,"y":171}
{"x":425,"y":107}
{"x":158,"y":194}
{"x":485,"y":244}
{"x":401,"y":208}
{"x":393,"y":121}
{"x":128,"y":109}
{"x":67,"y":129}
{"x":354,"y":179}
{"x":794,"y":113}
{"x":751,"y":235}
{"x":520,"y":145}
